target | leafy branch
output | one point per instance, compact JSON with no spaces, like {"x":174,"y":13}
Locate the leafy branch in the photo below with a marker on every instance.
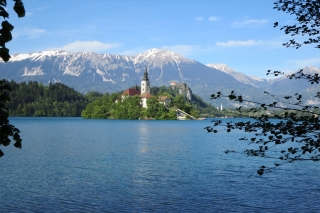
{"x":307,"y":17}
{"x":296,"y":130}
{"x":7,"y":130}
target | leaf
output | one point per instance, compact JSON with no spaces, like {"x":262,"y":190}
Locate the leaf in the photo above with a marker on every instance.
{"x":260,"y":171}
{"x":19,"y":9}
{"x":3,"y":2}
{"x":4,"y":14}
{"x":7,"y":25}
{"x":4,"y":54}
{"x":302,"y":18}
{"x":231,"y":97}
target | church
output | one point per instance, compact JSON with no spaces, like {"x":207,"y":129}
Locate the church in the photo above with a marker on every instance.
{"x":145,"y":90}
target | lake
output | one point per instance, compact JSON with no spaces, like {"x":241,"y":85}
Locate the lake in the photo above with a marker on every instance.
{"x":79,"y":165}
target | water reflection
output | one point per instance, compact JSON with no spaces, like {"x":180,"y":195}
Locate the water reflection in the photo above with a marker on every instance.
{"x":143,"y":136}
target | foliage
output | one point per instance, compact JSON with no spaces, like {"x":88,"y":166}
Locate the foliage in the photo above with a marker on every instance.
{"x":5,"y":32}
{"x":199,"y":107}
{"x":92,"y":95}
{"x":7,"y":130}
{"x":307,"y":13}
{"x":54,"y":100}
{"x":295,"y":133}
{"x":114,"y":107}
{"x":158,"y":110}
{"x":295,"y":130}
{"x":196,"y":107}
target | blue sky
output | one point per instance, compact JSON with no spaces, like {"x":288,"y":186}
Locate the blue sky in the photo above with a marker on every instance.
{"x":237,"y":33}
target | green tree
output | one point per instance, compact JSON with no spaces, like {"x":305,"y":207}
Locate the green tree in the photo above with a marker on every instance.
{"x":7,"y":130}
{"x":35,"y":99}
{"x":152,"y":109}
{"x":295,"y":135}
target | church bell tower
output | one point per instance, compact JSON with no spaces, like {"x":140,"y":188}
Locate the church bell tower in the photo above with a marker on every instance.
{"x":145,"y":83}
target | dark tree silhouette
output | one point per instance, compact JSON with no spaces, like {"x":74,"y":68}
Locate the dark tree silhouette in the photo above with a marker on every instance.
{"x":307,"y":21}
{"x":7,"y":130}
{"x":295,"y":133}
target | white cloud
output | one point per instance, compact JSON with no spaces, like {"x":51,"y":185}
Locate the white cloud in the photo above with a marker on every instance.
{"x":87,"y":46}
{"x":199,"y":18}
{"x":41,"y":8}
{"x":232,"y":43}
{"x":182,"y":49}
{"x":30,"y":33}
{"x":213,"y":18}
{"x":251,"y":22}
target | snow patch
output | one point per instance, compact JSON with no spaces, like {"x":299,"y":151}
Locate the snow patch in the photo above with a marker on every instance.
{"x":74,"y":71}
{"x":37,"y":55}
{"x":33,"y":71}
{"x":102,"y":74}
{"x":124,"y":76}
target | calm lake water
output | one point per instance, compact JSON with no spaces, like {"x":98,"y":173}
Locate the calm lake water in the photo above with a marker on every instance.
{"x":78,"y":165}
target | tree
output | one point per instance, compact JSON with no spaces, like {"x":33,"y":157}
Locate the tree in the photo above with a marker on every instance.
{"x":295,"y":134}
{"x":7,"y":130}
{"x":307,"y":17}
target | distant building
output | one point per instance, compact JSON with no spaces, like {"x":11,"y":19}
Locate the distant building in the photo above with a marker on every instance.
{"x":130,"y":92}
{"x":144,"y":97}
{"x":144,"y":94}
{"x":145,"y":83}
{"x":145,"y":89}
{"x":165,"y":100}
{"x":173,"y":84}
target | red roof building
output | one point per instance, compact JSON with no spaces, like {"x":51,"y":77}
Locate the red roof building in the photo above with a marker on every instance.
{"x":131,"y":92}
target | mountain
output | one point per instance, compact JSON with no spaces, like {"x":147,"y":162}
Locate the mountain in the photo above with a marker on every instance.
{"x":280,"y":87}
{"x":252,"y":80}
{"x":87,"y":71}
{"x":286,"y":86}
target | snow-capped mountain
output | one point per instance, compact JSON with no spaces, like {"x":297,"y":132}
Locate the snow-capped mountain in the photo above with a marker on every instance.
{"x":87,"y":71}
{"x":252,"y":80}
{"x":284,"y":85}
{"x":158,"y":61}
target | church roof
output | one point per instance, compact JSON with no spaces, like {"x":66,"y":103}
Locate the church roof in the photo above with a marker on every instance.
{"x":131,"y":92}
{"x":145,"y":95}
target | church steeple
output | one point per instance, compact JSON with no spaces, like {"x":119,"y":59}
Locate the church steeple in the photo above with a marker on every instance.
{"x":145,"y":83}
{"x":145,"y":75}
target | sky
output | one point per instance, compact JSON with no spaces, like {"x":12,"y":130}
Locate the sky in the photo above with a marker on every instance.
{"x":238,"y":33}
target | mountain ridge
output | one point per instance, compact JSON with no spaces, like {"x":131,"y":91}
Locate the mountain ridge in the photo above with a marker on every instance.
{"x":87,"y":71}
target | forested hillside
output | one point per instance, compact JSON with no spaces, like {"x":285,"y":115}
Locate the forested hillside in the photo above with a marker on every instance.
{"x":35,"y":99}
{"x":58,"y":100}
